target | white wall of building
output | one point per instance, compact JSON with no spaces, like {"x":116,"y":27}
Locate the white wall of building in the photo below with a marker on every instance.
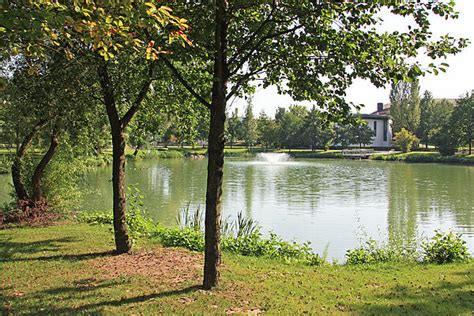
{"x":377,"y":125}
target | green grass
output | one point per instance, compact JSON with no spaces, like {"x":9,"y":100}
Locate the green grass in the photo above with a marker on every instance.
{"x":54,"y":270}
{"x":425,"y":157}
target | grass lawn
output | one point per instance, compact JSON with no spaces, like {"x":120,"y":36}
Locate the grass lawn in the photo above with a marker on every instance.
{"x":68,"y":268}
{"x":423,"y":156}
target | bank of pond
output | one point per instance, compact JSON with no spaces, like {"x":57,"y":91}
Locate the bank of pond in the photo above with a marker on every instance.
{"x":415,"y":157}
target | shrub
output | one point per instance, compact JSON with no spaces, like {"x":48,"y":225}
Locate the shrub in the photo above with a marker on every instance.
{"x":97,"y":218}
{"x":405,"y":140}
{"x":188,"y":238}
{"x":273,"y":247}
{"x":445,"y":248}
{"x":372,"y":252}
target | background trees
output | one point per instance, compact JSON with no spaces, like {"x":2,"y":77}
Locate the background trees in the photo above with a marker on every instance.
{"x":405,"y":106}
{"x":426,"y":105}
{"x":249,"y":126}
{"x":462,"y":121}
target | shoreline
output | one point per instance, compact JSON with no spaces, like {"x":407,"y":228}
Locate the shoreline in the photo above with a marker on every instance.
{"x":411,"y":157}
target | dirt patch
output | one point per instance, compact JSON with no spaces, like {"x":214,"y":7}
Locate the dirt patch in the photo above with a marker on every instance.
{"x":165,"y":264}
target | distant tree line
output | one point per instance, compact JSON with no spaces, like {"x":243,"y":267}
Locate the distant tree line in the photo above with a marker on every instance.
{"x":445,"y":124}
{"x":296,"y":127}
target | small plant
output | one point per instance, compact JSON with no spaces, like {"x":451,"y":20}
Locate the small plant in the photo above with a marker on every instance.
{"x":191,"y":220}
{"x":375,"y":252}
{"x":96,"y":218}
{"x":370,"y":252}
{"x":188,"y":238}
{"x":405,"y":140}
{"x":445,"y":248}
{"x":245,"y":226}
{"x":138,"y":221}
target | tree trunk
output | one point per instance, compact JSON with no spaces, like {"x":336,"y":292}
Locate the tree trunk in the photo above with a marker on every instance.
{"x":39,"y":170}
{"x":215,"y":169}
{"x":17,"y":176}
{"x":122,"y":241}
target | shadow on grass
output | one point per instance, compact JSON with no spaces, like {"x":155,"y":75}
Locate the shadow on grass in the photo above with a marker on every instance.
{"x":87,"y":296}
{"x":8,"y":248}
{"x":63,"y":257}
{"x":449,"y":298}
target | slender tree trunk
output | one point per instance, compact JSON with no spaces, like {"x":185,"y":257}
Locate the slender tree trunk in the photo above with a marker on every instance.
{"x":39,"y":170}
{"x":215,"y":169}
{"x":122,"y":240}
{"x":17,"y":176}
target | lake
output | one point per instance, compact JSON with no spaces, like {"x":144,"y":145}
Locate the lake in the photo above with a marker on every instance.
{"x":331,"y":203}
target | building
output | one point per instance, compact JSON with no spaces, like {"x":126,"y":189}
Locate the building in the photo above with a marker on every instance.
{"x":381,"y":125}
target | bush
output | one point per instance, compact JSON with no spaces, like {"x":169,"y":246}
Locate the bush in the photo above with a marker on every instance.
{"x":405,"y":140}
{"x":188,"y":238}
{"x":273,"y":247}
{"x":373,"y":252}
{"x":445,"y":248}
{"x":97,"y":218}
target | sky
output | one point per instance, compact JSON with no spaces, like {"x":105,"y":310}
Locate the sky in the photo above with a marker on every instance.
{"x":458,"y":79}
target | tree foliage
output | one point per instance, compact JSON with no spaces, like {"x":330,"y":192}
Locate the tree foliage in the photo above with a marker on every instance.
{"x":405,"y":106}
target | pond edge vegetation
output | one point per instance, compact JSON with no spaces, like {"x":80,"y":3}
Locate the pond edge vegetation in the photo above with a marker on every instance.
{"x":243,"y":237}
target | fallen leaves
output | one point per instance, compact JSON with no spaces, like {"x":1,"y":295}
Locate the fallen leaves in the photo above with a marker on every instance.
{"x":167,"y":265}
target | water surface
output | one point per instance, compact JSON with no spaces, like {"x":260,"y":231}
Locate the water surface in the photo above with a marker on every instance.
{"x":330,"y":203}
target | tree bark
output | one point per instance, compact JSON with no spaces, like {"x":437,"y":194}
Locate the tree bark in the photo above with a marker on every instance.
{"x":215,"y":169}
{"x":123,"y":243}
{"x":39,"y":170}
{"x":17,"y":177}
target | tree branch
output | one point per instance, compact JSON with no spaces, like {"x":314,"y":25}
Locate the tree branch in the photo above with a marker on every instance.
{"x":185,"y":83}
{"x":253,"y":35}
{"x":141,"y":95}
{"x":257,"y":45}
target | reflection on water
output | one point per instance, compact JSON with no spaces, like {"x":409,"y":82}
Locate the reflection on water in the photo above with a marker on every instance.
{"x":328,"y":202}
